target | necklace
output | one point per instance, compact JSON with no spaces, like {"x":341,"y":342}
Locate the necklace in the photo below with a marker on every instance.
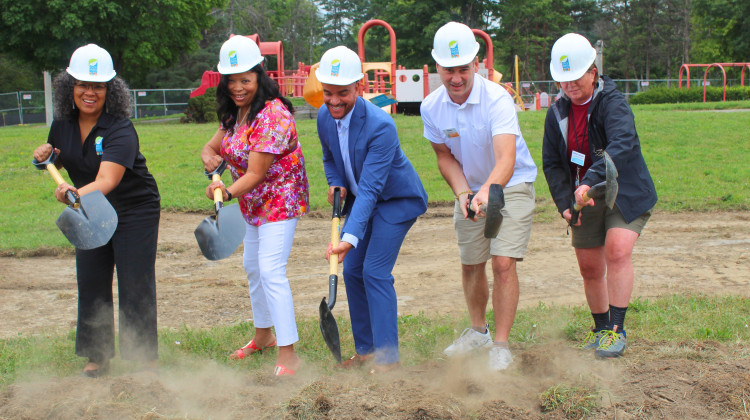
{"x":242,"y":120}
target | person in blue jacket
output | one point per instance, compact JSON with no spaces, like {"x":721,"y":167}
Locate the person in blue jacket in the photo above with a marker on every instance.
{"x":383,"y":196}
{"x":590,"y":118}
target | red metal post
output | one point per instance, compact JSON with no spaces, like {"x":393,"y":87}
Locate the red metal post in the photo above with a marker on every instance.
{"x":488,"y":43}
{"x":705,"y":75}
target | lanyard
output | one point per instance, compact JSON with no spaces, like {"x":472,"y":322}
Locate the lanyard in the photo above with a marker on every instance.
{"x":578,"y":145}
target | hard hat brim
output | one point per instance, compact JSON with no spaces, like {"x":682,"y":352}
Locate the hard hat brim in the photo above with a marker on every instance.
{"x":338,"y":81}
{"x":238,"y":69}
{"x":458,"y":61}
{"x":85,"y":77}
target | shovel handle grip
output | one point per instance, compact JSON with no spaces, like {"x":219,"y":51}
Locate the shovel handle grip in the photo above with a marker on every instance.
{"x":470,"y":212}
{"x":575,"y":209}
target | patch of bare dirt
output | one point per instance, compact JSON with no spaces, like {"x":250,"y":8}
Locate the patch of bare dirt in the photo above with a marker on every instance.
{"x":695,"y":253}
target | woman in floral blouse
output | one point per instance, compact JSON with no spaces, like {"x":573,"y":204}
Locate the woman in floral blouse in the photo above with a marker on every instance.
{"x":258,"y":139}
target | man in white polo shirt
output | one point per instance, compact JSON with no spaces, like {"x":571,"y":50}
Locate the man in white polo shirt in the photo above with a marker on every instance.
{"x":473,"y":128}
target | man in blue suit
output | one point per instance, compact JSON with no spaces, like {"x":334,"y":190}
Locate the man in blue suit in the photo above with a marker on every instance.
{"x":383,"y":197}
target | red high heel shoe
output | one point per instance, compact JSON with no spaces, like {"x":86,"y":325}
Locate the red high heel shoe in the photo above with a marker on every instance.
{"x":240,"y":354}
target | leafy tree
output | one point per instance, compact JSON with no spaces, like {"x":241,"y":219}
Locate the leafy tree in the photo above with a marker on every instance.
{"x":16,"y":75}
{"x":141,"y":35}
{"x":722,"y":30}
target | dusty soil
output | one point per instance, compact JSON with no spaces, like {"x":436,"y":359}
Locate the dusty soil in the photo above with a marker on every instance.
{"x":706,"y":253}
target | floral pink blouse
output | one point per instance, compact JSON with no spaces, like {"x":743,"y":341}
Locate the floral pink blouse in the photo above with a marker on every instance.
{"x":283,"y":194}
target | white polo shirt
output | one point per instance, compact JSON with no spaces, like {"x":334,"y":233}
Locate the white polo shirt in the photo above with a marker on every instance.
{"x":467,"y":130}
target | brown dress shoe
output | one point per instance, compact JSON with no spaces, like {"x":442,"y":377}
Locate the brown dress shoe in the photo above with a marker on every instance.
{"x":357,"y":361}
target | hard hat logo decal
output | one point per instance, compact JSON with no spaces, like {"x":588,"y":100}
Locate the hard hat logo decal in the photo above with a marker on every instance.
{"x":453,"y":45}
{"x":565,"y":63}
{"x":93,"y":65}
{"x":335,"y":67}
{"x":233,"y":59}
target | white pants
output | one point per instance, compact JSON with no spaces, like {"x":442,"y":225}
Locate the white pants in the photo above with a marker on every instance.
{"x":267,"y":249}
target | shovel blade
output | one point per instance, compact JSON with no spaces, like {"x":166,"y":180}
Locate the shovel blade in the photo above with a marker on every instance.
{"x":91,"y":223}
{"x":612,"y":187}
{"x":330,"y":330}
{"x":219,"y":236}
{"x":495,"y":204}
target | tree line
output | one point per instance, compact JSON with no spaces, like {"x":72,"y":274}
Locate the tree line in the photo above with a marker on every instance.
{"x":169,"y":43}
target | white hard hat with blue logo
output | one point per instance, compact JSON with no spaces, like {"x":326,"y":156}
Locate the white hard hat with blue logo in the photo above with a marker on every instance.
{"x":238,"y":55}
{"x":91,"y":63}
{"x":454,"y":45}
{"x":572,"y":55}
{"x":339,"y":66}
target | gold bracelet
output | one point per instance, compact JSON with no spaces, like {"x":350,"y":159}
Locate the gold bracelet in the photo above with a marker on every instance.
{"x":464,"y":192}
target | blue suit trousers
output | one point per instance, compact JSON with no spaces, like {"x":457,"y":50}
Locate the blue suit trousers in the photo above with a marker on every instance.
{"x":369,"y":289}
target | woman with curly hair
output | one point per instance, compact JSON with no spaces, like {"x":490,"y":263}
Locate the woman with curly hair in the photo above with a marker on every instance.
{"x":98,"y":146}
{"x":258,"y":139}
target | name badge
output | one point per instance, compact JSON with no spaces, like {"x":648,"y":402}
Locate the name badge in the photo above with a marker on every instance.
{"x":451,"y":132}
{"x":98,"y":145}
{"x":577,"y":158}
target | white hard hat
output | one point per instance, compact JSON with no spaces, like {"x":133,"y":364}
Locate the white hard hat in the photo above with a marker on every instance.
{"x":454,"y":45}
{"x":572,"y":56}
{"x":339,"y":66}
{"x":238,"y":55}
{"x":91,"y":63}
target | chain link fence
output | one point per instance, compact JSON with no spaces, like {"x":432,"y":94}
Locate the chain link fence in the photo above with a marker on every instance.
{"x":27,"y":107}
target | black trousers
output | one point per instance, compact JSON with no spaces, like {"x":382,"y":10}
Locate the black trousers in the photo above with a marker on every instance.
{"x":132,"y":250}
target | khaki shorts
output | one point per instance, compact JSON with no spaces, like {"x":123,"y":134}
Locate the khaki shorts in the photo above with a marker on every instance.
{"x":513,"y":238}
{"x":597,"y":220}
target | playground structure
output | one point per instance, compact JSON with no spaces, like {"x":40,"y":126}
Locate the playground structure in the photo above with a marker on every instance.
{"x":708,"y":67}
{"x":407,"y":87}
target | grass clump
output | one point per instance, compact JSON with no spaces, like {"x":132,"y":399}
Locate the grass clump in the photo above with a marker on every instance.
{"x":574,"y":401}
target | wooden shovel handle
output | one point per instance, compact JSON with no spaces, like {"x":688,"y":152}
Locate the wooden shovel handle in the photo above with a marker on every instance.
{"x":218,"y":195}
{"x":333,"y":260}
{"x":55,"y":173}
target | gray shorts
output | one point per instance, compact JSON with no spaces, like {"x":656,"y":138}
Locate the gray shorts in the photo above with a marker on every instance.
{"x":597,"y":220}
{"x":515,"y":232}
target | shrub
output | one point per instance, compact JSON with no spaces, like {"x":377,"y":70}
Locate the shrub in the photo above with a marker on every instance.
{"x":673,"y":95}
{"x":202,"y":109}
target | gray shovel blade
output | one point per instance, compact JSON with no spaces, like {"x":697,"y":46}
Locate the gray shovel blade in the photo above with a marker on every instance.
{"x":495,"y":205}
{"x":90,"y":223}
{"x":218,"y":236}
{"x":330,"y":330}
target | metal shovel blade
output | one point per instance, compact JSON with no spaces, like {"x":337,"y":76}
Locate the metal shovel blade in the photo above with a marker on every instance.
{"x":330,"y":330}
{"x":219,"y":236}
{"x":611,"y":181}
{"x":495,"y":204}
{"x":90,"y":222}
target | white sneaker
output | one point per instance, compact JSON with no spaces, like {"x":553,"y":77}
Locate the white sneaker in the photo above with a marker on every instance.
{"x":469,"y":340}
{"x":500,"y":358}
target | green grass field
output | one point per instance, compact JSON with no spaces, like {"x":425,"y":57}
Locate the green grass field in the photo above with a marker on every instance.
{"x":698,"y":161}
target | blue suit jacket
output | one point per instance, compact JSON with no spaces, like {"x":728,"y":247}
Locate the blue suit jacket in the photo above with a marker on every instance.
{"x":387,"y":182}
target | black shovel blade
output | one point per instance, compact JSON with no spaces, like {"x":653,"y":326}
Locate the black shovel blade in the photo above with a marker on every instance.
{"x":495,"y":204}
{"x":219,"y":236}
{"x":330,"y":330}
{"x":90,"y":222}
